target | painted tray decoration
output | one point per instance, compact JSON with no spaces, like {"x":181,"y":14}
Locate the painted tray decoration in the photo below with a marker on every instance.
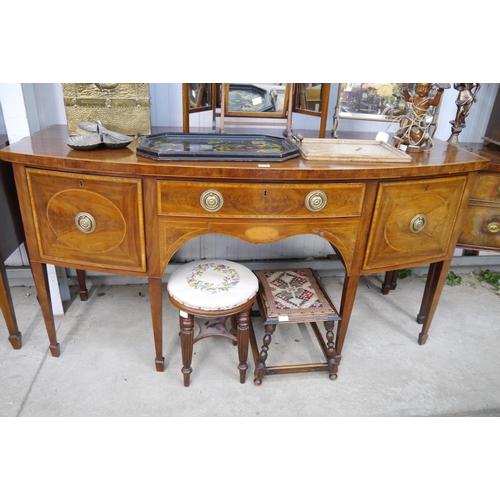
{"x":94,"y":135}
{"x":249,"y":98}
{"x":220,"y":147}
{"x":351,"y":150}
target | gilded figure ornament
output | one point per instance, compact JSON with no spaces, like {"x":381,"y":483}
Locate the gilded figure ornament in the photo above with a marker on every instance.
{"x":414,"y":127}
{"x":466,"y":98}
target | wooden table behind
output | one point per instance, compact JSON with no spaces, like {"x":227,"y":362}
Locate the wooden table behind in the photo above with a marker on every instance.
{"x":11,"y":236}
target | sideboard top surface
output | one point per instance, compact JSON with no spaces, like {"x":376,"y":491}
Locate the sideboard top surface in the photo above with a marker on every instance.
{"x":48,"y":149}
{"x":489,"y":151}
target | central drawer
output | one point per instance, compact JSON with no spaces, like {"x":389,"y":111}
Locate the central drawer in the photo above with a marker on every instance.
{"x":198,"y":199}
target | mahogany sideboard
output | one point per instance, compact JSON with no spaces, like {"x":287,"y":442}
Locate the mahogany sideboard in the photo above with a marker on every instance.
{"x":116,"y":212}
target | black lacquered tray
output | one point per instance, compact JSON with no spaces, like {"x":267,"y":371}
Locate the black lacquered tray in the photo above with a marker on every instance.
{"x":220,"y":147}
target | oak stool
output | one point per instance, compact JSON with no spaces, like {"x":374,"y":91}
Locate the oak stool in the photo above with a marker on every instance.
{"x":210,"y":292}
{"x":294,"y":296}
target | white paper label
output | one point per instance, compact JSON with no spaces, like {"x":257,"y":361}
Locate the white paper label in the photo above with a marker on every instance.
{"x":382,"y":136}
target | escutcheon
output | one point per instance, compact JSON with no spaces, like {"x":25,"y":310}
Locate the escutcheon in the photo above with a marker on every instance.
{"x":85,"y":222}
{"x":211,"y":200}
{"x":418,"y":223}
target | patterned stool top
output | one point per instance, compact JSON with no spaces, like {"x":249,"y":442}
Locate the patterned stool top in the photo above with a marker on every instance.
{"x":292,"y":294}
{"x":212,"y":285}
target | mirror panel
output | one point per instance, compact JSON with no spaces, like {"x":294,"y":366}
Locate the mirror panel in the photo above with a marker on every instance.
{"x":200,"y":96}
{"x":309,"y":98}
{"x":312,"y":99}
{"x":370,"y":101}
{"x":256,"y":99}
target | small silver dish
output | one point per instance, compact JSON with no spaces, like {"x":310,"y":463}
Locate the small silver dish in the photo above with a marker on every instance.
{"x":114,"y":142}
{"x":93,"y":135}
{"x":84,"y":142}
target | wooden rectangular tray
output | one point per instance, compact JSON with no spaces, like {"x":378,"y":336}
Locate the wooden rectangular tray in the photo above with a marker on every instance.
{"x":351,"y":150}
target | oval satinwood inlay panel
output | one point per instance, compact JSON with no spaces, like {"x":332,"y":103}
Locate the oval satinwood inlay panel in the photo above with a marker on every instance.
{"x":262,"y":234}
{"x":110,"y":227}
{"x":398,"y":232}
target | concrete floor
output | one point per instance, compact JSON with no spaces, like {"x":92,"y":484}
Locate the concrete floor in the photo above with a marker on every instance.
{"x":106,"y":367}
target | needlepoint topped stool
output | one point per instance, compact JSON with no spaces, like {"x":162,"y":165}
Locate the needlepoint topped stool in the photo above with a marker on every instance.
{"x":210,"y":292}
{"x":294,"y":296}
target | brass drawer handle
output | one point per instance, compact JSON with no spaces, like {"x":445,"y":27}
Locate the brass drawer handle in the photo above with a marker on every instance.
{"x":85,"y":222}
{"x":418,"y":223}
{"x":211,"y":200}
{"x":493,"y":227}
{"x":316,"y":200}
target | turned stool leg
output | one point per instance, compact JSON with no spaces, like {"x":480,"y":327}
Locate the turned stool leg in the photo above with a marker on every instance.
{"x":260,"y":368}
{"x":243,"y":326}
{"x":187,"y":337}
{"x":234,"y":327}
{"x":330,"y":349}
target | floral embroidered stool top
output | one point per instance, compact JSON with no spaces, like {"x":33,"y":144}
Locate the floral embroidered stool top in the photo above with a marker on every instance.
{"x":212,"y":285}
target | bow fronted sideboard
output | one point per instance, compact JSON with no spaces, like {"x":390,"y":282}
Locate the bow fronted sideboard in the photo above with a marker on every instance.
{"x":113,"y":211}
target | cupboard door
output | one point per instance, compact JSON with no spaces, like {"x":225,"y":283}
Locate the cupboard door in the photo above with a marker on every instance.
{"x":88,"y":220}
{"x":413,"y":222}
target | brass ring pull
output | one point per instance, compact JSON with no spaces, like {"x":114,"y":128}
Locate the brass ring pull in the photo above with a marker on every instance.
{"x":418,"y":223}
{"x":493,"y":227}
{"x":316,"y":200}
{"x":211,"y":200}
{"x":85,"y":222}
